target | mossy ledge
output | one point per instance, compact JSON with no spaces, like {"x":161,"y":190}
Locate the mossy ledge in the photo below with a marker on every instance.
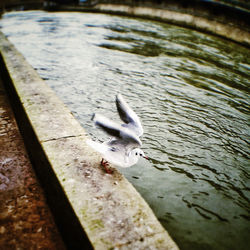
{"x":93,"y":210}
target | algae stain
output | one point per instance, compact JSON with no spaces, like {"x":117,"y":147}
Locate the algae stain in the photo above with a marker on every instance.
{"x":93,"y":224}
{"x":96,"y":224}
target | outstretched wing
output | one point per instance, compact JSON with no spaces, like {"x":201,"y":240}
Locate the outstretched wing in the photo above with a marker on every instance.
{"x":126,"y":137}
{"x":130,"y":118}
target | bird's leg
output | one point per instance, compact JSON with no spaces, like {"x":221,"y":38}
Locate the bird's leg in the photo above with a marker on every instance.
{"x":105,"y":164}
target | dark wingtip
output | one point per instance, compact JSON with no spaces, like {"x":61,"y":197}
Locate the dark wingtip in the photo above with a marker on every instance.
{"x":93,"y":117}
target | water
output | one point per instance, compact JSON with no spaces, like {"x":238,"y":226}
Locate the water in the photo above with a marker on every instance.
{"x":191,"y":91}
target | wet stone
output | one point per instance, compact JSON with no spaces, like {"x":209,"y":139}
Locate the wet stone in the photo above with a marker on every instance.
{"x":25,"y":219}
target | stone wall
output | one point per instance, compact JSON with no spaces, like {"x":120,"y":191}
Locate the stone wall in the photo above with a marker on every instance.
{"x":236,"y":12}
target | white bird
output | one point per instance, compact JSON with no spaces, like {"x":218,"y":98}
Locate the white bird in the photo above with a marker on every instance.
{"x":123,"y":149}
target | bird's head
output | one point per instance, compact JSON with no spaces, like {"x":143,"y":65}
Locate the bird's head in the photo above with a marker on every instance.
{"x":139,"y":153}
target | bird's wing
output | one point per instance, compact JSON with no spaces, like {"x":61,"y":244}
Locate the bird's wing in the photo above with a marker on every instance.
{"x":130,"y":118}
{"x":124,"y":136}
{"x":99,"y":147}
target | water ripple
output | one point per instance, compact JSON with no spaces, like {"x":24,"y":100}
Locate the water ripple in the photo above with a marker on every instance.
{"x":192,"y":93}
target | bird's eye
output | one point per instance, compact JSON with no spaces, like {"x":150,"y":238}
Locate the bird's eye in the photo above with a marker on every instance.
{"x":136,"y":153}
{"x":140,"y":154}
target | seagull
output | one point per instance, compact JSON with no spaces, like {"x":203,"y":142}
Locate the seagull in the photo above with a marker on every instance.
{"x":123,"y":149}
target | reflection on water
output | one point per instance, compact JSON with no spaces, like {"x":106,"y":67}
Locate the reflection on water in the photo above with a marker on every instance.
{"x":191,"y":91}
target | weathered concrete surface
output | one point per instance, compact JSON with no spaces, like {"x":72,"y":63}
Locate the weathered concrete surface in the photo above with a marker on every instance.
{"x":25,"y":219}
{"x":111,"y":212}
{"x":184,"y":19}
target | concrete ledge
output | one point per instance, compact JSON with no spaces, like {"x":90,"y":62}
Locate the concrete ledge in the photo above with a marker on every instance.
{"x":183,"y":19}
{"x":84,"y":199}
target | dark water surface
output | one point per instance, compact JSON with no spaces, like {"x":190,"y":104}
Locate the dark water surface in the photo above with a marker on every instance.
{"x":191,"y":91}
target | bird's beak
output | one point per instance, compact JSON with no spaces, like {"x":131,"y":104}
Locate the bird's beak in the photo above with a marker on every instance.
{"x":145,"y":157}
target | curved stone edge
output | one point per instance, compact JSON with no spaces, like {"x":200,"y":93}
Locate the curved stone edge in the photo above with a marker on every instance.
{"x":107,"y":207}
{"x":183,"y":19}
